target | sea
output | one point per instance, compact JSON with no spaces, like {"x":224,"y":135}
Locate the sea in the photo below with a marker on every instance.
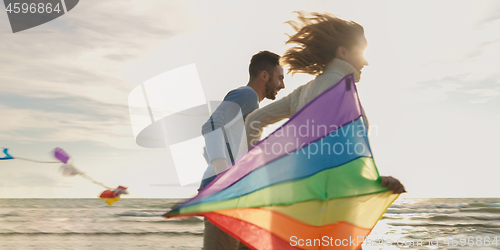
{"x":458,"y":223}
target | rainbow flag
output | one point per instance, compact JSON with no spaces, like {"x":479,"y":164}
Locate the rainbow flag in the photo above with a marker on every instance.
{"x":311,"y":184}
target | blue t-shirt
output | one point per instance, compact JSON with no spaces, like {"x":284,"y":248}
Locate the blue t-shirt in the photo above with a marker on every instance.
{"x":229,"y":118}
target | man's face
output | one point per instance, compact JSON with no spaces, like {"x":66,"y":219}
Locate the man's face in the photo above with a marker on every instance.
{"x":355,"y":56}
{"x":275,"y":83}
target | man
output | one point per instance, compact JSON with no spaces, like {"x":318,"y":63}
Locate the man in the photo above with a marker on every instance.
{"x":225,"y":137}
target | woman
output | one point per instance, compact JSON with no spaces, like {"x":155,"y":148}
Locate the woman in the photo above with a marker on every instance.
{"x":327,"y":47}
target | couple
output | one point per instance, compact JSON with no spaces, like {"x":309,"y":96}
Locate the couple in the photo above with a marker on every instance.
{"x":327,"y":47}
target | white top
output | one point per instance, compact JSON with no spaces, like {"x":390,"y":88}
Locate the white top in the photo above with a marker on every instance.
{"x":293,"y":102}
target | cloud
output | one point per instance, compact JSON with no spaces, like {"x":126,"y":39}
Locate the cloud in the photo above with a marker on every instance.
{"x":81,"y":50}
{"x":478,"y":90}
{"x":467,"y":67}
{"x":34,"y":179}
{"x":33,"y":125}
{"x":489,"y":15}
{"x":63,"y":81}
{"x":463,"y":54}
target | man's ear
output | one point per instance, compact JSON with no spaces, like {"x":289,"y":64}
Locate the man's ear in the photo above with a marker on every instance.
{"x":341,"y":52}
{"x":264,"y":76}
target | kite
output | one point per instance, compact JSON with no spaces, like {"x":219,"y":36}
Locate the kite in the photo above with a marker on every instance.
{"x":7,"y":156}
{"x":113,"y":196}
{"x":298,"y":189}
{"x":68,"y":169}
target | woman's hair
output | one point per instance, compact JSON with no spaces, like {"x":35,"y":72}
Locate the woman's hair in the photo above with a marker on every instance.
{"x":317,"y":39}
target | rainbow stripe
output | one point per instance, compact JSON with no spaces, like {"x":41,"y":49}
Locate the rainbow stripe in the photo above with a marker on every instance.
{"x":312,"y":181}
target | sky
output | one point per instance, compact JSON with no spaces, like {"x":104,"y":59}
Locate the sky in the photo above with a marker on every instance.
{"x":431,"y":91}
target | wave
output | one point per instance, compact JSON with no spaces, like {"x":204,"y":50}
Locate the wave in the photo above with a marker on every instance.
{"x":486,"y":217}
{"x":446,"y":218}
{"x":458,"y":225}
{"x":398,"y":206}
{"x":460,"y":205}
{"x":459,"y":218}
{"x":491,"y":210}
{"x":420,"y":211}
{"x":10,"y":215}
{"x":185,"y":220}
{"x":142,"y":214}
{"x":103,"y":233}
{"x":159,"y":205}
{"x":429,"y":206}
{"x":477,"y":205}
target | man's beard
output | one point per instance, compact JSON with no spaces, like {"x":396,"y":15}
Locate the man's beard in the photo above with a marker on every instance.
{"x":270,"y":90}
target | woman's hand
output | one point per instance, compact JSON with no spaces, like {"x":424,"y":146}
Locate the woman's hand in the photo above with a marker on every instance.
{"x":394,"y":184}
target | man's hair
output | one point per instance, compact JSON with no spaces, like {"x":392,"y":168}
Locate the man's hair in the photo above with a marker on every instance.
{"x":317,"y":39}
{"x":264,"y":60}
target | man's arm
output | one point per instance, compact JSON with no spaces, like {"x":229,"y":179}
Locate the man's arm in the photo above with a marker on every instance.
{"x":214,"y":131}
{"x":215,"y":146}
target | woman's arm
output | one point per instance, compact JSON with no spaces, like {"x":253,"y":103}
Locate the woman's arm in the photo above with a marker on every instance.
{"x":260,"y":118}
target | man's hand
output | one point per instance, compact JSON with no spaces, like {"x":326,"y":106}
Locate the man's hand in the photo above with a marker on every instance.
{"x":394,"y":184}
{"x":219,"y":165}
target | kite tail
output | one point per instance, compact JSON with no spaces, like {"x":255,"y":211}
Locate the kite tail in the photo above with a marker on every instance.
{"x":26,"y":159}
{"x":10,"y":157}
{"x":94,"y":181}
